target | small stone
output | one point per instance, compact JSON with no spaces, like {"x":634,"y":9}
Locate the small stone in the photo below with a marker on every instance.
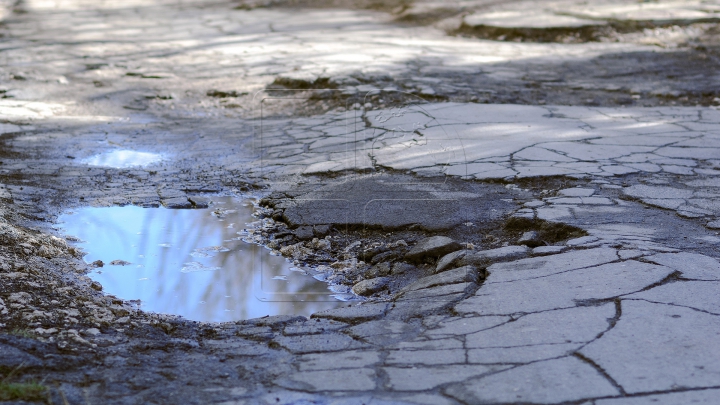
{"x":437,"y":291}
{"x":530,"y":239}
{"x":96,"y":286}
{"x":97,"y":263}
{"x":199,"y":202}
{"x":177,"y":203}
{"x":548,"y":250}
{"x":378,"y":270}
{"x":449,"y":260}
{"x":370,"y":286}
{"x":304,"y":233}
{"x":434,"y":246}
{"x":321,"y":230}
{"x":357,"y":313}
{"x":582,"y":241}
{"x":484,"y":258}
{"x":368,"y":254}
{"x":401,"y":268}
{"x":91,"y":332}
{"x":384,"y":257}
{"x":119,"y":263}
{"x":455,"y":276}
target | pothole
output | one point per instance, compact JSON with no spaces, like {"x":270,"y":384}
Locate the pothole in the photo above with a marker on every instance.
{"x":123,"y":158}
{"x":193,"y":263}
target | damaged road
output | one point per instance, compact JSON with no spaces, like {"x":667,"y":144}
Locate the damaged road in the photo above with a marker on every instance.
{"x":523,"y":214}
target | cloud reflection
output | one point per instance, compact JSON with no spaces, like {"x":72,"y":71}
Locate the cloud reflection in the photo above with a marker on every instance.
{"x":236,"y":281}
{"x":123,"y":158}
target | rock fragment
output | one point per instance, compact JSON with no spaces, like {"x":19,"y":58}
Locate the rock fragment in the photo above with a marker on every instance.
{"x":370,"y":286}
{"x":378,"y":270}
{"x":199,"y":202}
{"x":548,"y":250}
{"x":353,"y":314}
{"x":484,"y":258}
{"x":177,"y":203}
{"x":455,"y":276}
{"x":401,"y":268}
{"x":434,"y":246}
{"x":530,"y":239}
{"x":119,"y":262}
{"x":322,"y":230}
{"x":449,"y":260}
{"x":385,"y":256}
{"x":304,"y":233}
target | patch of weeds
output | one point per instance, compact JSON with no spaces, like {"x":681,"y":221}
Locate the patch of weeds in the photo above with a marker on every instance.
{"x":26,"y":333}
{"x":225,"y":94}
{"x":299,"y":84}
{"x":32,"y":391}
{"x":550,"y":232}
{"x":27,"y":391}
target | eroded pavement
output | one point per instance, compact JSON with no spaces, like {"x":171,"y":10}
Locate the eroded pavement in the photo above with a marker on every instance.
{"x":527,"y":206}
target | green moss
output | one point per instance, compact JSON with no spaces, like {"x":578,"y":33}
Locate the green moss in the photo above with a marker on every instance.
{"x":23,"y":333}
{"x":550,"y":232}
{"x":22,"y":391}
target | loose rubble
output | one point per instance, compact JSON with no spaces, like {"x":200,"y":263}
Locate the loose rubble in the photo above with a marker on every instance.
{"x":540,"y":215}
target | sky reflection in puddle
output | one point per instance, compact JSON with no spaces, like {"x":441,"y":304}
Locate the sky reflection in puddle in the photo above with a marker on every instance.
{"x":123,"y":158}
{"x":192,"y":263}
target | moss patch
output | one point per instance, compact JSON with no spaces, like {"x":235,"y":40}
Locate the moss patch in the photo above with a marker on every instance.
{"x":550,"y":232}
{"x":22,"y":391}
{"x":23,"y":333}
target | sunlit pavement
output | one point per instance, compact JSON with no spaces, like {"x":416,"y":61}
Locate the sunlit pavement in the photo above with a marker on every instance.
{"x":215,"y":98}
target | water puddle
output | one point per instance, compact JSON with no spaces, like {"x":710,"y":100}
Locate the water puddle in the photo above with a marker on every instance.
{"x":123,"y":158}
{"x":193,"y":262}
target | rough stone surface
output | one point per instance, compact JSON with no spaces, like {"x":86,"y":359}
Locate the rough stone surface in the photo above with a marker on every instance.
{"x":436,"y":246}
{"x":436,"y":293}
{"x":353,"y":313}
{"x":561,"y":290}
{"x":370,"y":286}
{"x":530,"y":239}
{"x":418,"y":118}
{"x":449,"y":260}
{"x":548,"y":250}
{"x":692,"y":266}
{"x":459,"y":275}
{"x":552,"y":381}
{"x":177,"y":202}
{"x":483,"y":258}
{"x":638,"y":360}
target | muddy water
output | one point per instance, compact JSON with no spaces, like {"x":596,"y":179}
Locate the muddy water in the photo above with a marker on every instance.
{"x":192,"y":262}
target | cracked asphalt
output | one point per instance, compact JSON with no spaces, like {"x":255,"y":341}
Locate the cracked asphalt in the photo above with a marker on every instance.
{"x":527,"y":205}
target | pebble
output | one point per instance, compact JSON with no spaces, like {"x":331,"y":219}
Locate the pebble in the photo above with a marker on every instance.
{"x":447,"y":261}
{"x":484,"y":258}
{"x":547,"y":250}
{"x":530,"y":239}
{"x":370,"y":286}
{"x":304,"y":233}
{"x":378,"y":270}
{"x":459,"y":275}
{"x":433,"y":246}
